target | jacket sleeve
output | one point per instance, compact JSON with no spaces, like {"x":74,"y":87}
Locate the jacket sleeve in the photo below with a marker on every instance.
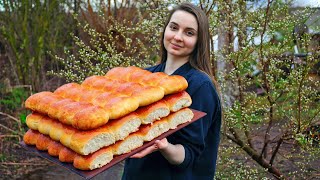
{"x":192,"y":137}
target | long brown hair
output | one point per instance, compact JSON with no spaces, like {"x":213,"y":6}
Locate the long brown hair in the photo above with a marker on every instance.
{"x":200,"y":57}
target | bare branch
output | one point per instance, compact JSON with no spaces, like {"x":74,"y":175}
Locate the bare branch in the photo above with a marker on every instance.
{"x":275,"y":151}
{"x":4,"y":136}
{"x":265,"y":64}
{"x":23,"y":164}
{"x":13,"y":131}
{"x":11,"y":117}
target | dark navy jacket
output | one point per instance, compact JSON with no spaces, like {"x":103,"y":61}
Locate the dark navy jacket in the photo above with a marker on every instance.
{"x":200,"y":139}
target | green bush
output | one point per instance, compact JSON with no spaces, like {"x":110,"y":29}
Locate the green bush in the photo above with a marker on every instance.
{"x":13,"y":100}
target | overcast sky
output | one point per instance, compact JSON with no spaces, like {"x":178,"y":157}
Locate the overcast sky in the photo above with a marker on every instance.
{"x":303,"y":3}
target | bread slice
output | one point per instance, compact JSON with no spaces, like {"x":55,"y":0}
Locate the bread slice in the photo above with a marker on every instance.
{"x":177,"y":101}
{"x":153,"y":112}
{"x":122,"y":127}
{"x":179,"y":117}
{"x":82,"y":142}
{"x":89,"y":162}
{"x":151,"y":131}
{"x":86,"y":142}
{"x":95,"y":160}
{"x":130,"y":143}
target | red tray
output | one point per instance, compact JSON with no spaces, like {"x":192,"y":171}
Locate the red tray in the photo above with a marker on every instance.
{"x":116,"y":159}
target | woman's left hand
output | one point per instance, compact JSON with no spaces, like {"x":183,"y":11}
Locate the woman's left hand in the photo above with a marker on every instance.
{"x":158,"y":145}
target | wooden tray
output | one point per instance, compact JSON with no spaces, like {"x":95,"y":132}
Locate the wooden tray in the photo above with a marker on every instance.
{"x":116,"y":159}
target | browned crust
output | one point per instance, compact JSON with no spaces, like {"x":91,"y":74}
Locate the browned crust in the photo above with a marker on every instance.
{"x":137,"y":76}
{"x":43,"y":142}
{"x":55,"y":109}
{"x":41,"y":101}
{"x":67,"y":155}
{"x":173,"y":84}
{"x":89,"y":81}
{"x":153,"y":79}
{"x":62,"y":90}
{"x":83,"y":162}
{"x":148,"y":95}
{"x":31,"y":137}
{"x":128,"y":88}
{"x":119,"y":143}
{"x":121,"y":106}
{"x":33,"y":120}
{"x":70,"y":110}
{"x":172,"y":99}
{"x":143,"y":112}
{"x":90,"y":118}
{"x":54,"y":148}
{"x":103,"y":98}
{"x":116,"y":73}
{"x":90,"y":96}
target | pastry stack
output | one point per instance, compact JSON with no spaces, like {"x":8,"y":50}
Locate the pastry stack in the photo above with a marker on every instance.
{"x":88,"y":124}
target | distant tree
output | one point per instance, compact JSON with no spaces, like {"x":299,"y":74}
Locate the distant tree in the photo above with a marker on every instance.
{"x":269,"y":98}
{"x":28,"y":30}
{"x":266,"y":91}
{"x":111,"y":36}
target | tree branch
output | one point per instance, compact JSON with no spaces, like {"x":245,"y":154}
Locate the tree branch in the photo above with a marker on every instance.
{"x":11,"y":117}
{"x":15,"y":132}
{"x":275,"y":151}
{"x":254,"y":155}
{"x":265,"y":70}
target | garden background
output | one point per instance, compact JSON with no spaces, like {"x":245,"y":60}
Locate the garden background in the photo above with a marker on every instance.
{"x":265,"y":55}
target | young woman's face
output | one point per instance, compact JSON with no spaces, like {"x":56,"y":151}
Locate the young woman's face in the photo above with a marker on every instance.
{"x":180,"y":36}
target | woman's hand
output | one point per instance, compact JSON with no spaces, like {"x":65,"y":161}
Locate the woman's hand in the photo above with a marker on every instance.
{"x":158,"y":145}
{"x":173,"y":153}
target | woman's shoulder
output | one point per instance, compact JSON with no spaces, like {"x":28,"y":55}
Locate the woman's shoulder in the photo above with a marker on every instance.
{"x":199,"y":77}
{"x":199,"y":80}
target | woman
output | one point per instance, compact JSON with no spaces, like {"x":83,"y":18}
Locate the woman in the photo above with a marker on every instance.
{"x":191,"y":152}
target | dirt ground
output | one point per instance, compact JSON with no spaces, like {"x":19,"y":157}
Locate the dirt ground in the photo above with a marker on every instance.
{"x":17,"y":163}
{"x":20,"y":164}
